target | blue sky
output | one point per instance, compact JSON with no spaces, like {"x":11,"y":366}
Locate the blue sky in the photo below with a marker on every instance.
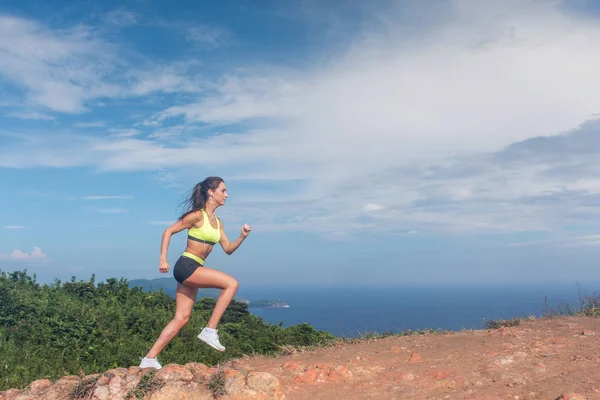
{"x":388,"y":143}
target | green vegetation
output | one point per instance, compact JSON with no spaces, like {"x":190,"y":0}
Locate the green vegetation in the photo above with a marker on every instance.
{"x":85,"y":388}
{"x":589,"y":306}
{"x":501,"y":323}
{"x":84,"y":327}
{"x":146,"y":386}
{"x":216,"y":385}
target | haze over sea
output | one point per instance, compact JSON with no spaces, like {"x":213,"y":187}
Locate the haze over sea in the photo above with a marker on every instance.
{"x":352,"y":311}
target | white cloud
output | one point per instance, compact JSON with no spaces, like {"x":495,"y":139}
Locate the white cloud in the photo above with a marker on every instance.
{"x":123,"y":133}
{"x":409,"y":115}
{"x":208,"y":37}
{"x":164,"y":78}
{"x":31,"y":115}
{"x":17,"y":255}
{"x":59,"y":69}
{"x":13,"y":227}
{"x":91,"y":124}
{"x":63,"y":69}
{"x":372,"y":207}
{"x":117,"y":197}
{"x":121,"y":17}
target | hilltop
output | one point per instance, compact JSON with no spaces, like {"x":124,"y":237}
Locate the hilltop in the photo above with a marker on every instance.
{"x":549,"y":358}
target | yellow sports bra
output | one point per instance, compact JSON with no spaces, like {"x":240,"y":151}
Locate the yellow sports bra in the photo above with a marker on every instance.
{"x":206,"y":233}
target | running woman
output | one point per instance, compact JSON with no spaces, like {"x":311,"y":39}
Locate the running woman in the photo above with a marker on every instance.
{"x":204,"y":231}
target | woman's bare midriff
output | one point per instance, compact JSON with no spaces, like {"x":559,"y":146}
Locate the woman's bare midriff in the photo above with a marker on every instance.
{"x":201,"y":250}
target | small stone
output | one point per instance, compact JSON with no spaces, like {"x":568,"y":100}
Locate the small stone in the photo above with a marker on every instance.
{"x":310,"y":376}
{"x":39,"y":386}
{"x":339,"y":373}
{"x":101,"y":393}
{"x":571,"y":396}
{"x":407,"y":376}
{"x":114,"y":387}
{"x":235,"y":383}
{"x":199,"y":370}
{"x":265,"y":383}
{"x":414,"y":357}
{"x":174,"y":373}
{"x":191,"y":391}
{"x":11,"y":394}
{"x":587,"y":332}
{"x":292,"y":367}
{"x":503,"y":361}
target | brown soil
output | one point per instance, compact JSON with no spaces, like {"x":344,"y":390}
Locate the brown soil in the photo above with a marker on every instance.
{"x":539,"y":359}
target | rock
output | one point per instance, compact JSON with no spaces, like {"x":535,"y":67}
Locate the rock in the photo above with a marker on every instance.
{"x":38,"y":387}
{"x":11,"y":394}
{"x":339,"y":373}
{"x":62,"y":388}
{"x":101,"y":393}
{"x":309,"y":376}
{"x":180,"y":391}
{"x":414,"y":357}
{"x":26,"y":396}
{"x":200,"y":371}
{"x":115,"y":389}
{"x":265,"y":383}
{"x":240,"y":385}
{"x":68,"y":381}
{"x":292,"y":367}
{"x":111,"y":373}
{"x":235,"y":383}
{"x":174,"y":373}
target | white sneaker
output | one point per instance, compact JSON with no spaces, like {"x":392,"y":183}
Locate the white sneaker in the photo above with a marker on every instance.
{"x":150,"y":363}
{"x":211,"y":338}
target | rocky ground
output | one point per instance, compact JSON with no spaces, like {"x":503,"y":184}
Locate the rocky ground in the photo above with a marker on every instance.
{"x":538,"y":359}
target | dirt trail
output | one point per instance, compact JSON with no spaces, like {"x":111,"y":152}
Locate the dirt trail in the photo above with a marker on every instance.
{"x":540,"y":359}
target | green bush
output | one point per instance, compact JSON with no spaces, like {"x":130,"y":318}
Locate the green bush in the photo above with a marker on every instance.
{"x":80,"y":327}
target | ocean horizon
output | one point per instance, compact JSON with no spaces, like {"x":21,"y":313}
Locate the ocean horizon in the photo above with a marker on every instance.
{"x":356,"y":311}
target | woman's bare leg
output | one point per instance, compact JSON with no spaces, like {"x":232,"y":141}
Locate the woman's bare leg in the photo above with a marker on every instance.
{"x":211,"y":278}
{"x":184,"y":301}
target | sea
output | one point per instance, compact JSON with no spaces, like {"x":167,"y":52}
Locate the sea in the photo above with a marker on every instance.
{"x":357,"y":311}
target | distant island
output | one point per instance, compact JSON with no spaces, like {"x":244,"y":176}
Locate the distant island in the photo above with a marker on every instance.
{"x":169,"y":286}
{"x":269,"y":304}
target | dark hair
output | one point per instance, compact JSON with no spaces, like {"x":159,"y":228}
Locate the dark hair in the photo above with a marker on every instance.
{"x":199,"y":194}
